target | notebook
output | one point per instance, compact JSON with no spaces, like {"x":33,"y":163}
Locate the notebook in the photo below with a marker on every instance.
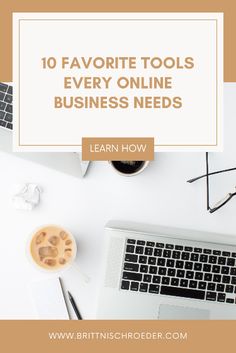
{"x":49,"y":299}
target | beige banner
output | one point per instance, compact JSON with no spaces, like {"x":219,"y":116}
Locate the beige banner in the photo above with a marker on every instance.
{"x":10,"y":6}
{"x":117,"y":336}
{"x":117,"y":149}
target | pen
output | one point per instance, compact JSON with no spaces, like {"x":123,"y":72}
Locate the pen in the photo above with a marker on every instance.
{"x":76,"y":310}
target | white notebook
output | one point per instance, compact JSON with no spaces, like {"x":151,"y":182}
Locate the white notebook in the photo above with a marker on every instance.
{"x":49,"y":300}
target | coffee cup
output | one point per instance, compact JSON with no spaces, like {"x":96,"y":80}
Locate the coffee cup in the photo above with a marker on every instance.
{"x":129,"y":168}
{"x":52,"y":248}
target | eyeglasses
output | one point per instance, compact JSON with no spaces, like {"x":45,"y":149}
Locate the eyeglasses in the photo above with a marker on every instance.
{"x":223,"y":201}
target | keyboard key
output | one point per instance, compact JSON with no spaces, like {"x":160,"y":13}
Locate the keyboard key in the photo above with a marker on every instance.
{"x":202,"y":285}
{"x":180,"y":273}
{"x":130,"y":248}
{"x":10,"y":126}
{"x":152,"y":261}
{"x":188,"y":248}
{"x":148,"y":251}
{"x":192,"y":284}
{"x":9,"y":91}
{"x":143,"y":268}
{"x":211,"y":286}
{"x":161,"y":262}
{"x":183,"y":283}
{"x":183,"y":292}
{"x":131,"y":258}
{"x":2,"y":95}
{"x":139,"y":250}
{"x":156,"y":279}
{"x":233,"y":271}
{"x":197,"y":266}
{"x":166,"y":253}
{"x":225,"y":253}
{"x":194,"y":257}
{"x":131,"y":241}
{"x":185,"y":256}
{"x":159,"y":245}
{"x":134,"y":286}
{"x":229,"y":288}
{"x":8,"y":98}
{"x":8,"y":117}
{"x":207,"y":251}
{"x":208,"y":277}
{"x":125,"y":285}
{"x":198,"y":250}
{"x":171,"y":272}
{"x":142,"y":259}
{"x":221,"y":297}
{"x":179,"y":247}
{"x":206,"y":268}
{"x":3,"y":123}
{"x":188,"y":265}
{"x":170,"y":263}
{"x":2,"y":105}
{"x":162,"y":271}
{"x":220,"y":287}
{"x":233,"y":254}
{"x":216,"y":252}
{"x":226,"y":279}
{"x":176,"y":254}
{"x":230,"y":301}
{"x":221,"y":261}
{"x":175,"y":282}
{"x":140,"y":242}
{"x":9,"y":108}
{"x":203,"y":258}
{"x":154,"y":288}
{"x":216,"y":269}
{"x":132,"y":276}
{"x":165,"y":280}
{"x":143,"y":287}
{"x":212,"y":259}
{"x":128,"y":266}
{"x":217,"y":278}
{"x":199,"y":276}
{"x":3,"y":87}
{"x":150,"y":243}
{"x":153,"y":270}
{"x":211,"y":296}
{"x":158,"y":252}
{"x":179,"y":264}
{"x":2,"y":114}
{"x":169,"y":246}
{"x":233,"y":280}
{"x":189,"y":274}
{"x":147,"y":278}
{"x":225,"y":270}
{"x":230,"y":262}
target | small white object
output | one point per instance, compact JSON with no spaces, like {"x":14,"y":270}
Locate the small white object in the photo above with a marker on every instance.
{"x":49,"y":300}
{"x":27,"y":196}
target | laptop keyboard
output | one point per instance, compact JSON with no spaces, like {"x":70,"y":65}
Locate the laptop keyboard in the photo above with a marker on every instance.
{"x":180,"y":271}
{"x":6,"y":106}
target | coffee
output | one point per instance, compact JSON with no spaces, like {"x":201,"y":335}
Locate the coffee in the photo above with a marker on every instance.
{"x":128,"y":167}
{"x":52,"y":248}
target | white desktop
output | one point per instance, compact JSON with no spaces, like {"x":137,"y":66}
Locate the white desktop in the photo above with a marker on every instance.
{"x":159,"y":195}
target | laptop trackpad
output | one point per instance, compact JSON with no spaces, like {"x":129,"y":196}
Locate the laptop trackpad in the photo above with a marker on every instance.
{"x":174,"y":312}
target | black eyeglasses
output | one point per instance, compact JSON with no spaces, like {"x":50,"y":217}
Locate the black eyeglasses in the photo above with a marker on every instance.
{"x":223,"y":201}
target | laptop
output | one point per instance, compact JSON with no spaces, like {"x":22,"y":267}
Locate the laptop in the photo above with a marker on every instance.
{"x":67,"y":162}
{"x":154,"y":272}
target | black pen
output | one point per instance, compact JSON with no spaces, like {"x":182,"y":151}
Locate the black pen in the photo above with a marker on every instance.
{"x":76,"y":310}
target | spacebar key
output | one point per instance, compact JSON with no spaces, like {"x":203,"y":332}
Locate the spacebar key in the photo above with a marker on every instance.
{"x":183,"y":292}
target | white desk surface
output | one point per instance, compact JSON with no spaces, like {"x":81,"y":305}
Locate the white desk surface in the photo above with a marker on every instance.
{"x":160,"y":195}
